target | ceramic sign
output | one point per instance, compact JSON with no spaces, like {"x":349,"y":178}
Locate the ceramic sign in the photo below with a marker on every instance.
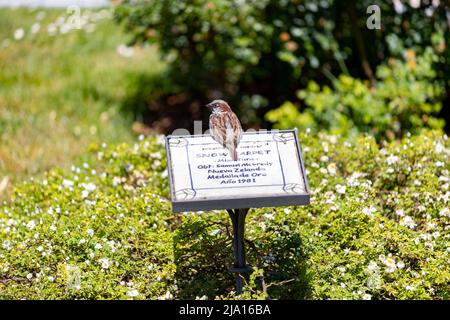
{"x":268,"y":173}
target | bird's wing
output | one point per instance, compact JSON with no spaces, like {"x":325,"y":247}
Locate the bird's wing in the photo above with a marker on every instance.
{"x":225,"y":128}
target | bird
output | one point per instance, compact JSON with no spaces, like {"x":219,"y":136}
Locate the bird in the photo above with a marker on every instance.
{"x":225,"y":127}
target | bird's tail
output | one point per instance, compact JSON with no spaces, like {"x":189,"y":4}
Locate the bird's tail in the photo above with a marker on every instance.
{"x":233,"y":153}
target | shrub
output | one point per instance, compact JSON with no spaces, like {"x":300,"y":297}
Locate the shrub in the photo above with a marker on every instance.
{"x":377,"y":227}
{"x":258,"y":53}
{"x":403,"y":99}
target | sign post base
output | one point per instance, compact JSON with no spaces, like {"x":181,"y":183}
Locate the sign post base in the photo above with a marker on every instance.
{"x":240,"y":268}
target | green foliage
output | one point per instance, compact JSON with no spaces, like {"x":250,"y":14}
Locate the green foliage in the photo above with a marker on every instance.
{"x":403,"y":99}
{"x":269,"y":48}
{"x":377,"y":227}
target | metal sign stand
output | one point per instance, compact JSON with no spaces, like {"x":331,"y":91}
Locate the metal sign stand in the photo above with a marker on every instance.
{"x":240,"y":268}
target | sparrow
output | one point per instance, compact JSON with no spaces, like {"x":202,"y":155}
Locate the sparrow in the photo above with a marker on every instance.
{"x":225,"y":127}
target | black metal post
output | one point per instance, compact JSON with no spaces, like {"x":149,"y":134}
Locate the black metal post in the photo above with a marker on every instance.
{"x":239,"y":268}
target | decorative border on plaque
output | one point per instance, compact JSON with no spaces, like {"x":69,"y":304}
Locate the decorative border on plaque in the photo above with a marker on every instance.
{"x":288,"y":184}
{"x":294,"y":188}
{"x":188,"y":194}
{"x":178,"y":142}
{"x":283,"y":137}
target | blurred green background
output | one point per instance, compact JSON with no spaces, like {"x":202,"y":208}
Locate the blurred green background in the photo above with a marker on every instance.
{"x":62,"y":89}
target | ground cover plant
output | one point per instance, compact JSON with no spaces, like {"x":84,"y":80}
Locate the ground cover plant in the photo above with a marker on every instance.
{"x":377,"y":228}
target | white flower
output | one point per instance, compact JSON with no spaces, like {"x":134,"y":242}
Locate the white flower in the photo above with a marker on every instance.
{"x":392,"y":159}
{"x":35,"y":27}
{"x":287,"y":210}
{"x":67,"y":183}
{"x":53,"y":228}
{"x":444,"y":212}
{"x":116,"y":181}
{"x":367,"y":297}
{"x":98,"y":246}
{"x":125,"y":51}
{"x":105,"y":263}
{"x":167,"y":296}
{"x":214,"y":232}
{"x":408,"y":222}
{"x":409,"y":288}
{"x":332,"y":169}
{"x":40,"y":248}
{"x":439,"y":147}
{"x":372,"y":266}
{"x":51,"y":278}
{"x":84,"y":194}
{"x":31,"y":224}
{"x":90,"y":232}
{"x":390,"y":264}
{"x":340,"y":189}
{"x":29,"y":276}
{"x":400,"y":212}
{"x":19,"y":34}
{"x":6,"y":244}
{"x":89,"y":187}
{"x":369,"y":211}
{"x":400,"y":264}
{"x":133,"y":293}
{"x":82,"y":241}
{"x":439,"y":164}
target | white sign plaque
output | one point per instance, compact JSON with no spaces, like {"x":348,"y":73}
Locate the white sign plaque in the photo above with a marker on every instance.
{"x":269,"y":172}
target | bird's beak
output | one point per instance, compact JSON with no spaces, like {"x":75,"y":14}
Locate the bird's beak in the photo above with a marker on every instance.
{"x":209,"y":105}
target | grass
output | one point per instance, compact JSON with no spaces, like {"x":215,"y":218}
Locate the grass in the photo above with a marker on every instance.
{"x":61,"y":92}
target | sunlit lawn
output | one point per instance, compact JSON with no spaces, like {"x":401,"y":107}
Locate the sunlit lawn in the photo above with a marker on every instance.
{"x":61,"y":89}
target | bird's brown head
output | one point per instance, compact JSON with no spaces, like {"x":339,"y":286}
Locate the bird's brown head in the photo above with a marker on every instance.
{"x":218,"y":106}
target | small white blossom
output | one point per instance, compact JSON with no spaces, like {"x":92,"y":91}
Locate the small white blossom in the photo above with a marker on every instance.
{"x":6,"y":244}
{"x":31,"y":224}
{"x":367,"y":297}
{"x":408,"y":222}
{"x":133,"y":293}
{"x":372,"y":266}
{"x":392,"y":160}
{"x":19,"y":34}
{"x":369,"y":211}
{"x":341,"y":189}
{"x":390,"y":264}
{"x":105,"y":263}
{"x":35,"y":28}
{"x":445,"y":212}
{"x":89,"y":187}
{"x":67,"y":183}
{"x":332,"y":169}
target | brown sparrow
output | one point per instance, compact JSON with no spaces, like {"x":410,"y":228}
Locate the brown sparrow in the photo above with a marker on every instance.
{"x":225,"y":127}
